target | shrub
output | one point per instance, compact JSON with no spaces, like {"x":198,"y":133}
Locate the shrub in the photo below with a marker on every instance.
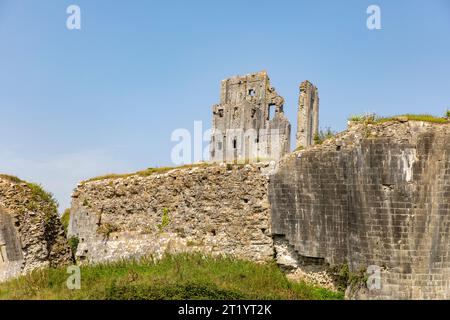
{"x":324,"y":135}
{"x":165,"y":220}
{"x":73,"y":243}
{"x":356,"y":118}
{"x":65,"y":219}
{"x":344,"y":277}
{"x":106,"y":229}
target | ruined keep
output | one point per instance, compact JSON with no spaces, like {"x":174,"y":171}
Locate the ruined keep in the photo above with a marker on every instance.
{"x":308,"y":114}
{"x":249,"y":122}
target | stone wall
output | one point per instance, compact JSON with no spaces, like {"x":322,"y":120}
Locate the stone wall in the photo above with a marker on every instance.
{"x":374,"y":195}
{"x":217,"y":209}
{"x":31,"y":235}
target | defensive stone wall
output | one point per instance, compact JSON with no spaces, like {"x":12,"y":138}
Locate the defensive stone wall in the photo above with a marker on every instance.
{"x":376,"y":195}
{"x":215,"y":209}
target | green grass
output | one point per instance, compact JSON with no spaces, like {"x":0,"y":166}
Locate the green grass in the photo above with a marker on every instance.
{"x":11,"y":178}
{"x":145,"y":172}
{"x":65,"y":218}
{"x":415,"y":117}
{"x":356,"y":118}
{"x":150,"y":171}
{"x":38,"y":194}
{"x":374,"y":119}
{"x":324,"y":135}
{"x":174,"y":277}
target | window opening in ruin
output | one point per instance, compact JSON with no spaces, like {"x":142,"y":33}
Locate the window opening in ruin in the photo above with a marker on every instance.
{"x":272,"y":111}
{"x":234,"y":143}
{"x":219,"y":145}
{"x":221,"y":113}
{"x":251,"y":92}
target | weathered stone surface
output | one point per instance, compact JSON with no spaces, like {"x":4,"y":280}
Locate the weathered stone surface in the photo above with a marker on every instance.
{"x":249,"y":123}
{"x":31,"y":235}
{"x":375,"y":195}
{"x":307,"y":115}
{"x":217,"y":209}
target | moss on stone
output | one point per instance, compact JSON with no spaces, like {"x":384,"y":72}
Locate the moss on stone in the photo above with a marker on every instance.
{"x":65,"y":219}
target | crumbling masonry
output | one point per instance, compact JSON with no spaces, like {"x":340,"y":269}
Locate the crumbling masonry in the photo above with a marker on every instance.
{"x":249,"y":123}
{"x":308,"y":114}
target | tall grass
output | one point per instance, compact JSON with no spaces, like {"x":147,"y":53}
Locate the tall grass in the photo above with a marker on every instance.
{"x":65,"y":219}
{"x":185,"y":276}
{"x":374,"y":119}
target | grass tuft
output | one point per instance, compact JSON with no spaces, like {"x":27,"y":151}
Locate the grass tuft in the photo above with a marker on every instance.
{"x":144,"y":173}
{"x":12,"y":179}
{"x":324,"y":135}
{"x":65,"y":219}
{"x":415,"y":117}
{"x":374,"y":119}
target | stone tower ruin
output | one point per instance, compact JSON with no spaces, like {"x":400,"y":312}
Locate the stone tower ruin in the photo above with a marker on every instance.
{"x":249,"y":123}
{"x":308,"y":114}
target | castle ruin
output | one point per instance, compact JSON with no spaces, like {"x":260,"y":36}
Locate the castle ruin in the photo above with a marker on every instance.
{"x":249,"y":123}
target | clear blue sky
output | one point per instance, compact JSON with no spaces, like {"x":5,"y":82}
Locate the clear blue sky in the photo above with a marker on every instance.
{"x":106,"y":98}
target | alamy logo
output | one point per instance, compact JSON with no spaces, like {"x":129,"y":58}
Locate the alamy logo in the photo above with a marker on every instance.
{"x":374,"y":20}
{"x":73,"y":21}
{"x":233,"y":145}
{"x":374,"y":278}
{"x":74,"y":280}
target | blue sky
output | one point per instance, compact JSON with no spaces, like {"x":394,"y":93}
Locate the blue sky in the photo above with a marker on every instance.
{"x":106,"y":98}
